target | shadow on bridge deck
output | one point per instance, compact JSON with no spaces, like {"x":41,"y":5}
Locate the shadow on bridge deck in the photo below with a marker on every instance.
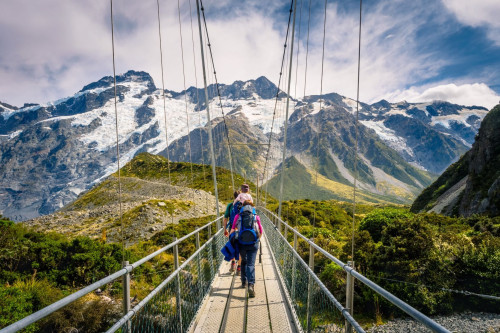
{"x":228,"y":309}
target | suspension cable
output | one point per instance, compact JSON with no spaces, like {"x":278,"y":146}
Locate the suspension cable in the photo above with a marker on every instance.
{"x":318,"y":138}
{"x":356,"y":131}
{"x":185,"y":91}
{"x":276,"y":100}
{"x":214,"y":174}
{"x":197,"y":94}
{"x":287,"y":106}
{"x":218,"y":93}
{"x":163,"y":93}
{"x":307,"y":47}
{"x":117,"y":135}
{"x":298,"y":49}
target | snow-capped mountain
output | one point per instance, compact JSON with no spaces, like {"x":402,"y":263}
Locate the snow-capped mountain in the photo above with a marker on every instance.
{"x":50,"y":153}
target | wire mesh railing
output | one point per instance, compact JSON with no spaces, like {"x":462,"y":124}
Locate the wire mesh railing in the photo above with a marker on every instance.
{"x":315,"y":306}
{"x":316,"y":309}
{"x":172,"y":305}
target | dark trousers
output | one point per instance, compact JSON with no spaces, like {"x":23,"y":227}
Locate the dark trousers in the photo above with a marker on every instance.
{"x":248,"y":254}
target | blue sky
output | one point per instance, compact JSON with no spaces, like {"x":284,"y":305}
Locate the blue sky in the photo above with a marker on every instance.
{"x":411,"y":50}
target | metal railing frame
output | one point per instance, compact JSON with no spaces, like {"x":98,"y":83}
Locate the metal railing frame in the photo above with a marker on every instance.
{"x":321,"y":285}
{"x":172,"y":276}
{"x":408,"y":309}
{"x":48,"y":310}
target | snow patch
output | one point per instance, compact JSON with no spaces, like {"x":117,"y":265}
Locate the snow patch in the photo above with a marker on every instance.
{"x":11,"y":135}
{"x":461,"y":117}
{"x":351,"y":104}
{"x":7,"y":113}
{"x":389,"y":136}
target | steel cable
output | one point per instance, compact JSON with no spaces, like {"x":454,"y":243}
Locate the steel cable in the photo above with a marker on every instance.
{"x":117,"y":135}
{"x":185,"y":91}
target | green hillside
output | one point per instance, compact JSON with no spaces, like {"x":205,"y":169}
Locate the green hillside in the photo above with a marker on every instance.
{"x":300,"y":183}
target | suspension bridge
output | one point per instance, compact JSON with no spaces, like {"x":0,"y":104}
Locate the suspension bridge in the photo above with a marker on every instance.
{"x":200,"y":295}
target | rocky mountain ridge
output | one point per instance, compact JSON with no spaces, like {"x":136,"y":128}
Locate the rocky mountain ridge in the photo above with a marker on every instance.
{"x":472,"y":184}
{"x":51,"y":153}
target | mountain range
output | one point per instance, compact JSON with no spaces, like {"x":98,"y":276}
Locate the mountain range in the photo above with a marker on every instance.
{"x":52,"y":153}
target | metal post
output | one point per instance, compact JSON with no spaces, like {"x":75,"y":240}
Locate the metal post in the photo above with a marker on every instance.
{"x":257,"y":191}
{"x":178,"y":299}
{"x":214,"y":175}
{"x":285,"y":234}
{"x":310,"y":289}
{"x":286,"y":112}
{"x":294,"y":269}
{"x":200,"y":273}
{"x":349,"y":297}
{"x":126,"y":295}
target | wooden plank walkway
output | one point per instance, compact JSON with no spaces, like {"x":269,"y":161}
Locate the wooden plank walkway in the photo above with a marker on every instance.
{"x":228,"y":308}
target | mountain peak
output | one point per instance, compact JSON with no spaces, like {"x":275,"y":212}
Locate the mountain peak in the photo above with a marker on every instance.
{"x":130,"y":76}
{"x":7,"y":106}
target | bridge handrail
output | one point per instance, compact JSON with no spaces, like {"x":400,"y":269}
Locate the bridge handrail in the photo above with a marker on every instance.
{"x":141,"y":304}
{"x":48,"y":310}
{"x":332,"y":298}
{"x":408,"y":309}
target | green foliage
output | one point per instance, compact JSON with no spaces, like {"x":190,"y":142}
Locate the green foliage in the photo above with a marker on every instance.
{"x":23,"y":298}
{"x":413,"y":256}
{"x":326,"y":214}
{"x":67,"y":263}
{"x":62,"y":265}
{"x":376,"y":221}
{"x":417,"y":255}
{"x":85,"y":315}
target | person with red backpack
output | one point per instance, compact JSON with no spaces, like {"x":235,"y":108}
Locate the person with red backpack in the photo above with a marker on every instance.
{"x":248,"y":230}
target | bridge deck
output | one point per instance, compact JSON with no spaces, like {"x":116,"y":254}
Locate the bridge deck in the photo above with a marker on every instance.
{"x":228,"y":308}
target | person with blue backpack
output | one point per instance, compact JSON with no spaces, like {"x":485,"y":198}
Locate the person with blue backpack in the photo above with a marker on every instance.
{"x":248,"y":229}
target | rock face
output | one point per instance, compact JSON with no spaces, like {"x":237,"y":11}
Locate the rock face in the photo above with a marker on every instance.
{"x":51,"y":153}
{"x":147,"y":205}
{"x":471,"y":185}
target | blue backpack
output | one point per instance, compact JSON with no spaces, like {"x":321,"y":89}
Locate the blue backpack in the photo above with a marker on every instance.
{"x":234,"y":211}
{"x":247,"y":228}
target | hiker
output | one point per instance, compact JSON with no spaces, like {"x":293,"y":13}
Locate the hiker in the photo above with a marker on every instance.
{"x":248,"y":230}
{"x":244,"y":194}
{"x":229,"y":216}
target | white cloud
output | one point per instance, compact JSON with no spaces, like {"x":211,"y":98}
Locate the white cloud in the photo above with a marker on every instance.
{"x":478,"y":13}
{"x":465,"y":94}
{"x":52,"y":49}
{"x":391,"y":57}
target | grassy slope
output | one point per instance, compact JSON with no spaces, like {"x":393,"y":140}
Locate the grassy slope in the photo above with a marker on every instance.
{"x":300,"y":183}
{"x":147,"y":166}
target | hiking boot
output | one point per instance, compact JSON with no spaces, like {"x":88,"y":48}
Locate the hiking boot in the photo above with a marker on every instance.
{"x":251,"y":291}
{"x":243,"y":284}
{"x":231,"y":270}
